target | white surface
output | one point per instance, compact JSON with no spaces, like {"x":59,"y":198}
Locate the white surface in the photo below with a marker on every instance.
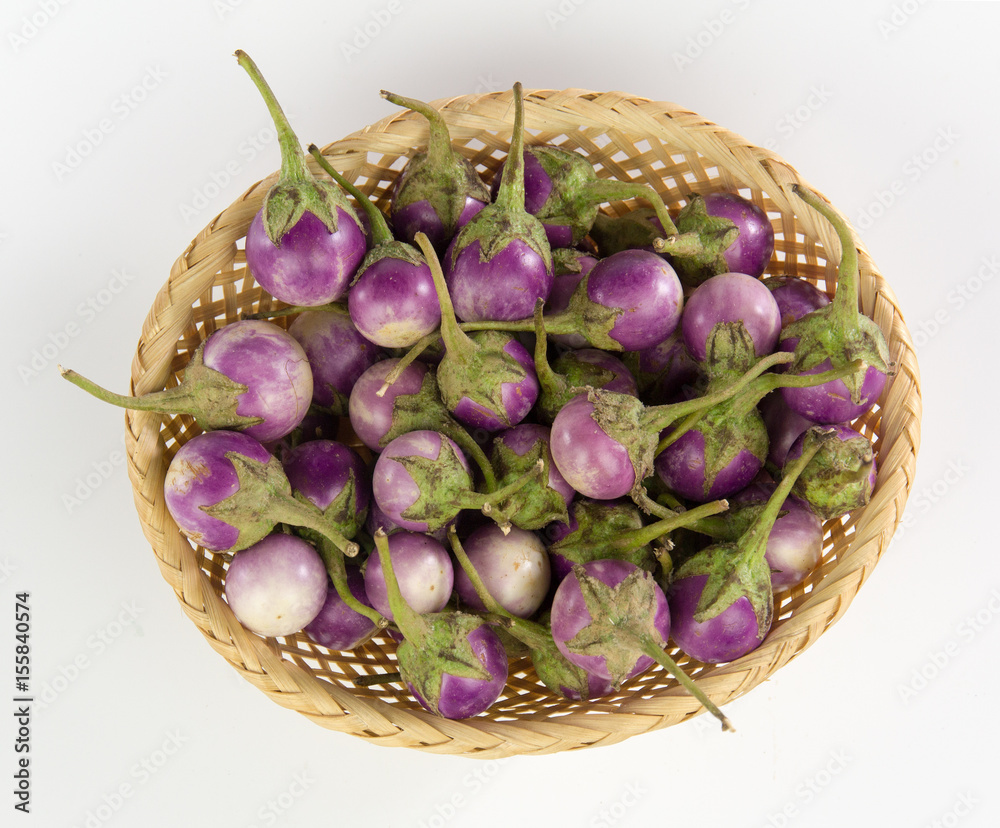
{"x":872,"y":102}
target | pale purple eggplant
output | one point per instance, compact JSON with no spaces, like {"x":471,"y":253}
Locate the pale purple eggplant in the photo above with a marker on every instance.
{"x":225,"y":491}
{"x":612,"y":619}
{"x":735,"y":235}
{"x":277,"y":586}
{"x":438,"y":191}
{"x":249,"y":376}
{"x":304,"y":245}
{"x":500,"y":263}
{"x":421,"y":481}
{"x":730,"y":297}
{"x":338,"y":354}
{"x":423,"y":570}
{"x":514,"y":568}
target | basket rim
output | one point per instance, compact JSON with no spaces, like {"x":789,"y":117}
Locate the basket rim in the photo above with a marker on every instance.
{"x":335,"y":707}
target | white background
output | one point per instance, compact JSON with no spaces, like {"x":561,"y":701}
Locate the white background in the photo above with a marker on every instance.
{"x":890,"y":108}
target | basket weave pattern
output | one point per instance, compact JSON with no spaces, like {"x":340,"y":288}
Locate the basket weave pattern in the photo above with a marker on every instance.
{"x":676,"y":152}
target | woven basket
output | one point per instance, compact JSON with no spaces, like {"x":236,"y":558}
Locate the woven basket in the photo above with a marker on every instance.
{"x":674,"y":151}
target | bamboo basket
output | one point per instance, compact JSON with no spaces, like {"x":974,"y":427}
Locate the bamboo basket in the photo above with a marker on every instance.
{"x":675,"y":151}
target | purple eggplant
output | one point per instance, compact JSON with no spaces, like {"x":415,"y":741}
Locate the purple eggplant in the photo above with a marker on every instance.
{"x":612,"y":619}
{"x":500,"y":263}
{"x":391,"y":299}
{"x":452,"y":662}
{"x":795,"y":297}
{"x":305,"y":243}
{"x":438,"y":191}
{"x":334,"y":478}
{"x":411,"y":402}
{"x":486,"y":379}
{"x":338,"y":626}
{"x":250,"y":376}
{"x":225,"y":491}
{"x":836,"y":335}
{"x":735,"y":237}
{"x":730,"y":297}
{"x":338,"y":354}
{"x":421,"y":481}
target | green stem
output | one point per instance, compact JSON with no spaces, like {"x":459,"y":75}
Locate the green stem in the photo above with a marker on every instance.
{"x":456,"y":341}
{"x":485,"y":502}
{"x":440,"y":152}
{"x":657,"y":653}
{"x":552,"y":384}
{"x":766,"y":384}
{"x":333,"y":559}
{"x":453,"y":429}
{"x":637,"y":538}
{"x":177,"y":400}
{"x":377,"y":678}
{"x":409,"y":357}
{"x":658,"y":417}
{"x":293,"y":159}
{"x":845,"y":299}
{"x":297,"y":512}
{"x":380,"y":227}
{"x":410,"y":623}
{"x":753,"y":542}
{"x":510,"y":196}
{"x":292,"y":310}
{"x":606,"y":189}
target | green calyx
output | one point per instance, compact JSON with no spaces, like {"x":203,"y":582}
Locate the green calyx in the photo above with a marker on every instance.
{"x":264,"y":499}
{"x":632,"y":231}
{"x":731,"y":576}
{"x":208,"y":395}
{"x":442,"y":648}
{"x":714,"y":235}
{"x":606,"y":530}
{"x":439,"y":175}
{"x":620,"y":615}
{"x":837,"y":480}
{"x":479,"y":373}
{"x":297,"y":190}
{"x":536,"y":504}
{"x":443,"y":483}
{"x":592,"y":319}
